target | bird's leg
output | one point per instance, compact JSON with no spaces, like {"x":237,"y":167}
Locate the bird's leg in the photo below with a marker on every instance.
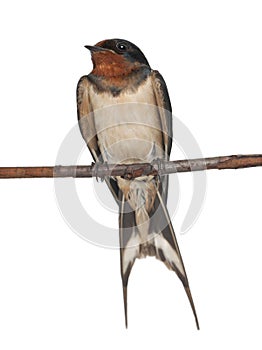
{"x":107,"y":168}
{"x":95,"y":170}
{"x":158,"y":165}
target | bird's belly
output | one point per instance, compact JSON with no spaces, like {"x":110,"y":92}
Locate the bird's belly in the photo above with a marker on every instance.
{"x":129,"y":132}
{"x":128,"y":127}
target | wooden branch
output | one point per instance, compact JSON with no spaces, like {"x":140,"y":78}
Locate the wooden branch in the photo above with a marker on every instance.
{"x":130,"y":171}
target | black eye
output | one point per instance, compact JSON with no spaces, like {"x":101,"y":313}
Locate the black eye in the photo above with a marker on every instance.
{"x":121,"y":46}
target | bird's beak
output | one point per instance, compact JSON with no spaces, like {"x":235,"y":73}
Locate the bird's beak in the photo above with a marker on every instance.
{"x":95,"y":48}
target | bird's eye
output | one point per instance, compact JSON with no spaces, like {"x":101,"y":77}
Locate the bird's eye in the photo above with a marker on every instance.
{"x":121,"y":46}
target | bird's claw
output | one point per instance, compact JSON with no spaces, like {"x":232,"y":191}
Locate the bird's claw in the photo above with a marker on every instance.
{"x":96,"y":173}
{"x":95,"y":170}
{"x":158,"y":165}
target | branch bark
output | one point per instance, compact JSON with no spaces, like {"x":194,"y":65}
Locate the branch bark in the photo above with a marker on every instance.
{"x":130,"y":171}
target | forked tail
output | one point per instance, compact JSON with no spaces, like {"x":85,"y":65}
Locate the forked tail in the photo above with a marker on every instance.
{"x":160,"y":242}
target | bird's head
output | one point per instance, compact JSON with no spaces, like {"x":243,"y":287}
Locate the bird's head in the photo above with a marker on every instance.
{"x":116,"y":57}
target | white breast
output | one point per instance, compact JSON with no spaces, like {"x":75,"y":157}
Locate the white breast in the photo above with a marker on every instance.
{"x":128,"y":126}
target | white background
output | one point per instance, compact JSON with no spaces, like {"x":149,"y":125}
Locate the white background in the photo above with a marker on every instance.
{"x":56,"y":290}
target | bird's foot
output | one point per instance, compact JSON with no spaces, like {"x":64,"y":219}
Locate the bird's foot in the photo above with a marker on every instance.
{"x":159,"y":165}
{"x":98,"y":172}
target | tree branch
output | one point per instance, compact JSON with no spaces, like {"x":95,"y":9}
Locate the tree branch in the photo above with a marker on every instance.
{"x":130,"y":171}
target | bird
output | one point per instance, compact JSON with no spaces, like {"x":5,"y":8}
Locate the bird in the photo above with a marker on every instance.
{"x":125,"y":116}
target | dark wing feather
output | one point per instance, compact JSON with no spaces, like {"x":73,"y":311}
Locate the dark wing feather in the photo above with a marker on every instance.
{"x":165,"y":109}
{"x":86,"y":117}
{"x":86,"y":122}
{"x":165,"y":114}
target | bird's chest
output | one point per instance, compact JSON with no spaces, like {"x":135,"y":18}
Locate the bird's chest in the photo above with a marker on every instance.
{"x":128,"y":125}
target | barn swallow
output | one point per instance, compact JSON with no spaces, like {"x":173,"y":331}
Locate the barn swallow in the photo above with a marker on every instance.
{"x":125,"y":116}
